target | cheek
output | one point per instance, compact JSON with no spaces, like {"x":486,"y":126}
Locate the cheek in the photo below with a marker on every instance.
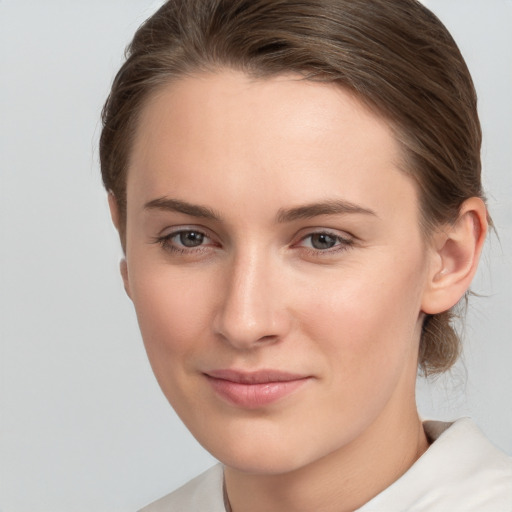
{"x":367,"y":317}
{"x":174,"y":313}
{"x":366,"y":327}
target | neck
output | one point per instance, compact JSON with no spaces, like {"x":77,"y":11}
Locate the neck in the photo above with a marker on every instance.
{"x":343,"y":480}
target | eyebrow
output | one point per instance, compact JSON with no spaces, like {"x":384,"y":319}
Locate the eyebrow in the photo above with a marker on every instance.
{"x":175,"y":205}
{"x":308,"y":211}
{"x":332,"y":207}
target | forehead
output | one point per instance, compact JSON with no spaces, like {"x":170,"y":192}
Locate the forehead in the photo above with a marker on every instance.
{"x":294,"y":137}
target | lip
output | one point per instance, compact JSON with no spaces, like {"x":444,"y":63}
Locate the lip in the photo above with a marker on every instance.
{"x":253,"y":390}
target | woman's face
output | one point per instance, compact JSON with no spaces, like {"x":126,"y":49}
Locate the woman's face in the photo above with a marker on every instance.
{"x":276,"y":264}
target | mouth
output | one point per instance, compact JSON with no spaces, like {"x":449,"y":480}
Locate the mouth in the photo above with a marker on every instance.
{"x":253,"y":390}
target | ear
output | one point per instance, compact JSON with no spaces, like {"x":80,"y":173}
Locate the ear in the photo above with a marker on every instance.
{"x":114,"y":209}
{"x":455,"y":254}
{"x":123,"y":265}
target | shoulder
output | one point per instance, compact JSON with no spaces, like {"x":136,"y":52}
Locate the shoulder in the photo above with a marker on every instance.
{"x":460,"y":471}
{"x":205,"y":492}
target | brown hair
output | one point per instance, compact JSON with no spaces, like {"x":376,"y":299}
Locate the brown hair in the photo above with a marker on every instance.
{"x":396,"y":56}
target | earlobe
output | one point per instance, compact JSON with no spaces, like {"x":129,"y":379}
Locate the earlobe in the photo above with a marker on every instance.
{"x":123,"y":267}
{"x":455,"y":255}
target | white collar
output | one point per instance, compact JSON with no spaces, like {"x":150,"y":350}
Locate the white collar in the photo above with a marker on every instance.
{"x":460,"y":472}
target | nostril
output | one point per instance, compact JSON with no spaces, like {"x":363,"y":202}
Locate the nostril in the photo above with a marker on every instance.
{"x":268,"y":338}
{"x":248,"y":341}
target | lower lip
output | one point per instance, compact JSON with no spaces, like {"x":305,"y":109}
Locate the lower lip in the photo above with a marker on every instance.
{"x":254,"y":396}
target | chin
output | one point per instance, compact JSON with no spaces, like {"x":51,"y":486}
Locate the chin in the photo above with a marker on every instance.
{"x":262,"y":461}
{"x":264,"y":451}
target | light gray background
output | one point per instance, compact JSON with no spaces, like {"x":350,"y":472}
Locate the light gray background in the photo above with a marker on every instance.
{"x":83,"y":425}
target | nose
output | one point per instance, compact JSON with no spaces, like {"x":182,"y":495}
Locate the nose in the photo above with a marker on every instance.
{"x":253,"y":309}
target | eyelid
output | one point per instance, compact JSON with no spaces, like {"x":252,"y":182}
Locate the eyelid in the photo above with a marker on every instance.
{"x":176,"y":234}
{"x":169,"y":231}
{"x":166,"y":235}
{"x":343,"y":241}
{"x":341,"y":235}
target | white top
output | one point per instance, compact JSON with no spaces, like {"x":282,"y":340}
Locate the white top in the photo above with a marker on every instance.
{"x":460,"y":472}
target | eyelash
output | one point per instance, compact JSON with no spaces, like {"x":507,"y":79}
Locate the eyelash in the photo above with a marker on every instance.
{"x":167,"y":244}
{"x":342,"y":243}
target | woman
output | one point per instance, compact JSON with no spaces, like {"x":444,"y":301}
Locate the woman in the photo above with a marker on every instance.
{"x":297,"y":190}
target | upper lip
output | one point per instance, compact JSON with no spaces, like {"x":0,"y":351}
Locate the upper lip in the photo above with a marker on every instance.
{"x":254,"y":377}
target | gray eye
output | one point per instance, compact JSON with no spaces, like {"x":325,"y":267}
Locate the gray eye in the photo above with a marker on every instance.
{"x":191,"y":238}
{"x":322,"y":241}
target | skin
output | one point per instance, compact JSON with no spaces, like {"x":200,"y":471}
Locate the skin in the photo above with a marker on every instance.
{"x":260,"y":291}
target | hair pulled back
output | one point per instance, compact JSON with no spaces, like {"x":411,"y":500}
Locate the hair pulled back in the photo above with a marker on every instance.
{"x":396,"y":56}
